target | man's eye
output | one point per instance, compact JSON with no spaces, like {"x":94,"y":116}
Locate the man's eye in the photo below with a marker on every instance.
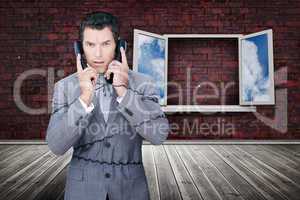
{"x":106,"y":44}
{"x":90,"y":44}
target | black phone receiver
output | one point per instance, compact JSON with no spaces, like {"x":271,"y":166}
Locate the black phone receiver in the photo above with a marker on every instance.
{"x":118,"y":56}
{"x":79,"y":50}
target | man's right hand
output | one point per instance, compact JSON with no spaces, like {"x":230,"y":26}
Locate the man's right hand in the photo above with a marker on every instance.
{"x":87,"y":81}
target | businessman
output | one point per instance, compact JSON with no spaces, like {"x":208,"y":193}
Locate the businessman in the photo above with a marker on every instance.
{"x":105,"y":123}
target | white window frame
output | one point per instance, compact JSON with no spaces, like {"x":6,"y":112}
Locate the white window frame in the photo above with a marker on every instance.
{"x":270,"y":65}
{"x":135,"y":58}
{"x":206,"y":108}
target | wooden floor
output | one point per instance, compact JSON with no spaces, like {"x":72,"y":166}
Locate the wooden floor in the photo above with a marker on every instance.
{"x":173,"y":172}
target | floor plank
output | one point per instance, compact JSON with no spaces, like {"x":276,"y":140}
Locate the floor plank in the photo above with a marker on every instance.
{"x":290,"y":150}
{"x":150,"y":170}
{"x":3,"y":148}
{"x":295,"y":148}
{"x":254,"y":179}
{"x":201,"y":181}
{"x":272,"y":161}
{"x":21,"y":161}
{"x":287,"y":188}
{"x":10,"y":151}
{"x":186,"y":185}
{"x":174,"y":171}
{"x":281,"y":151}
{"x":46,"y":178}
{"x":55,"y":189}
{"x":16,"y":155}
{"x":247,"y":190}
{"x":19,"y":182}
{"x":220,"y":183}
{"x":168,"y":186}
{"x":21,"y":174}
{"x":282,"y":158}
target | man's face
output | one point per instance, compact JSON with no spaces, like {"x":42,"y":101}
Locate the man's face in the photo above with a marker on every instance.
{"x":99,"y":48}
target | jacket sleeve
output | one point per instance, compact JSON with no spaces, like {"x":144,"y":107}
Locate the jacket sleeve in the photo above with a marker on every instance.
{"x":66,"y":122}
{"x":142,"y":109}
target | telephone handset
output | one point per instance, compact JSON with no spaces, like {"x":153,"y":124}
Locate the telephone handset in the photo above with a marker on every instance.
{"x":120,"y":43}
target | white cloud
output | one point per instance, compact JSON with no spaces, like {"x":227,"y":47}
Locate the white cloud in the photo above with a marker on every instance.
{"x":158,"y":63}
{"x":253,"y":79}
{"x":157,"y":68}
{"x":142,"y":39}
{"x":161,"y":44}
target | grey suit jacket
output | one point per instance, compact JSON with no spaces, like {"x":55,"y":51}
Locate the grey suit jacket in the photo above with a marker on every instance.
{"x":107,"y":157}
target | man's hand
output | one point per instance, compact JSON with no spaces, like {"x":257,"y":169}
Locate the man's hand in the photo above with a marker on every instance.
{"x":87,"y":81}
{"x":120,"y":70}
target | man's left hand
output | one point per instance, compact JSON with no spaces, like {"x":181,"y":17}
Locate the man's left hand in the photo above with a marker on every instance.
{"x":120,"y":71}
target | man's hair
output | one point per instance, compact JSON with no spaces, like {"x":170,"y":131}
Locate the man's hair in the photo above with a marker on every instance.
{"x":100,"y":20}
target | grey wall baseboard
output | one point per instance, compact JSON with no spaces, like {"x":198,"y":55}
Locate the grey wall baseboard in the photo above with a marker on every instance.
{"x":185,"y":142}
{"x":23,"y":142}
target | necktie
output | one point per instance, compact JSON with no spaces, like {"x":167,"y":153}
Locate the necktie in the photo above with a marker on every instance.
{"x":104,"y":95}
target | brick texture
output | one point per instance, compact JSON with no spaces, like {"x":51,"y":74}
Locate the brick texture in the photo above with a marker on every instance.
{"x":39,"y":35}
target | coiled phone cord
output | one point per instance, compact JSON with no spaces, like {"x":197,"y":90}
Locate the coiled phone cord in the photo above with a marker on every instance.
{"x":102,"y":85}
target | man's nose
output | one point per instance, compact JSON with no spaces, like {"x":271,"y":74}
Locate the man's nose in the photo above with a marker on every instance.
{"x":98,"y":52}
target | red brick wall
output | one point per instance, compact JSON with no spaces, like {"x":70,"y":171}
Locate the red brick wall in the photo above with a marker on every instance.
{"x":39,"y":34}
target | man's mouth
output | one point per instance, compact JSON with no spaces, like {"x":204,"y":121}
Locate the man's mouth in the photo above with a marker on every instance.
{"x":98,"y":62}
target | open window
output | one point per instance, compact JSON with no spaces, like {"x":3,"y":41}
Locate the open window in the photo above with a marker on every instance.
{"x":150,"y":57}
{"x":256,"y":70}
